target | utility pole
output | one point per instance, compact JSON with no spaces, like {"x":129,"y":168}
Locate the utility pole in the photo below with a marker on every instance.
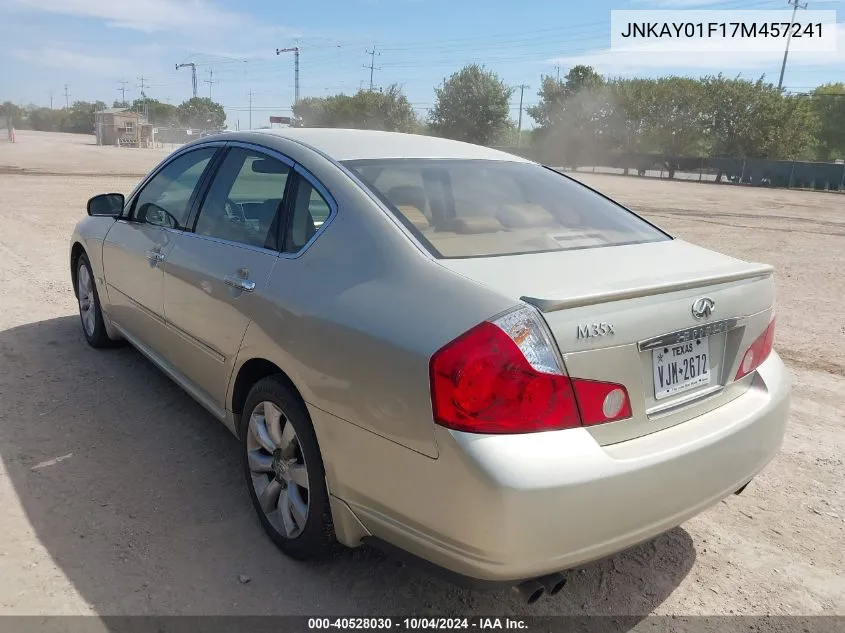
{"x":295,"y":51}
{"x":372,"y":66}
{"x":210,"y":81}
{"x":522,"y":88}
{"x":795,"y":4}
{"x":51,"y":99}
{"x":193,"y":67}
{"x":67,"y":97}
{"x":250,"y":110}
{"x":122,"y":89}
{"x":557,"y":67}
{"x":143,"y":97}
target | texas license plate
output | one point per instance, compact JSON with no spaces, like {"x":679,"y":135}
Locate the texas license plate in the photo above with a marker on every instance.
{"x":682,"y":367}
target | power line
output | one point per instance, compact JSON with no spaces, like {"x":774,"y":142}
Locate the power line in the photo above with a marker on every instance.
{"x":795,"y":6}
{"x":372,"y":55}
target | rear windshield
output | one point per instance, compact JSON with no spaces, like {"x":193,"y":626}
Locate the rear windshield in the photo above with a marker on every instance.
{"x":482,"y":208}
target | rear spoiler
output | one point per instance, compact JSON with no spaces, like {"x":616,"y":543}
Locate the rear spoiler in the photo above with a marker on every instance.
{"x":759,"y":271}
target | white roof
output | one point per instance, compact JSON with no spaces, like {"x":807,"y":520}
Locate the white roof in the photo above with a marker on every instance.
{"x":342,"y":144}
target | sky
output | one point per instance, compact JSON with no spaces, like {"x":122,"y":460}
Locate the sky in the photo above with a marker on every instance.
{"x":94,"y":49}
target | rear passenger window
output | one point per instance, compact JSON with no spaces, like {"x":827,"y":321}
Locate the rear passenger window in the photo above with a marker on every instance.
{"x":243,"y":202}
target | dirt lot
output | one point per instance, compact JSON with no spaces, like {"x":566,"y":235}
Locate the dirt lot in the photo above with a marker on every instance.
{"x":120,"y":495}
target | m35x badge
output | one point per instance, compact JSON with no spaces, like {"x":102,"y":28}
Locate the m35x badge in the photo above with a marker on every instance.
{"x":592,"y":330}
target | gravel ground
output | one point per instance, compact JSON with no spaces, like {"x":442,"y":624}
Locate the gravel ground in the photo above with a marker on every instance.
{"x":120,"y":495}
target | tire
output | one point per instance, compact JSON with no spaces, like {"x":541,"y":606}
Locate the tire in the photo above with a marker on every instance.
{"x":88,"y":299}
{"x":280,"y":453}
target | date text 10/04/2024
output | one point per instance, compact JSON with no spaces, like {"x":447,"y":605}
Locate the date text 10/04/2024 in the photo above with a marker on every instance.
{"x":417,"y":623}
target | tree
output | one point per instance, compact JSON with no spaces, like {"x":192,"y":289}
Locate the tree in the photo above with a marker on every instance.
{"x":17,"y":114}
{"x":389,"y":110}
{"x":472,"y":105}
{"x":158,"y":113}
{"x":47,"y":119}
{"x":828,"y":106}
{"x":674,"y":117}
{"x":754,"y":119}
{"x":555,"y":94}
{"x":79,"y":118}
{"x":574,"y":117}
{"x":121,"y":104}
{"x":202,"y":113}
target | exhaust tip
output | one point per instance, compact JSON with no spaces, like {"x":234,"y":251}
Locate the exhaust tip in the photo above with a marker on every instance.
{"x":553,"y":583}
{"x":530,"y":591}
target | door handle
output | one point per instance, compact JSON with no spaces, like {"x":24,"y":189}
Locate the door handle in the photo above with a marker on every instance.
{"x":239,"y":282}
{"x":154,"y":256}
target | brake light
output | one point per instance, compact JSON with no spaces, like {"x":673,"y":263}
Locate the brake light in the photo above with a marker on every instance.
{"x":758,"y":352}
{"x":503,"y":376}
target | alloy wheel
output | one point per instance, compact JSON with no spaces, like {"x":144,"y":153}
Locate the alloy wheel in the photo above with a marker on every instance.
{"x":87,"y":301}
{"x":278,"y":470}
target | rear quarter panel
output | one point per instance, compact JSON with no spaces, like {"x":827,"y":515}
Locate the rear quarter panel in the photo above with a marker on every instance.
{"x":355,"y":319}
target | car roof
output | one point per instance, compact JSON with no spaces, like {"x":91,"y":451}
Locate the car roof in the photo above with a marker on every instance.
{"x":343,"y":145}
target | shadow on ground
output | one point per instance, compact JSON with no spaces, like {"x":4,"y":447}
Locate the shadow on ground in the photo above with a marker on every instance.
{"x":147,"y":512}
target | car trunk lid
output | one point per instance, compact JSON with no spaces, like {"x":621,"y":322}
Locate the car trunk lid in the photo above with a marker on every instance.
{"x":624,"y":314}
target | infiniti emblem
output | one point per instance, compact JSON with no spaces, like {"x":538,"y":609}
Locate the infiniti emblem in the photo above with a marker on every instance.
{"x":702,"y":308}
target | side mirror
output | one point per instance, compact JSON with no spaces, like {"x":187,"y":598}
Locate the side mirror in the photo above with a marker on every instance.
{"x":106,"y":205}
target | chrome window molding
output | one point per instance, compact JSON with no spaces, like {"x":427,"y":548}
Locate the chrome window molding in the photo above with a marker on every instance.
{"x":303,"y":173}
{"x":130,"y":199}
{"x":354,"y":178}
{"x":225,"y":242}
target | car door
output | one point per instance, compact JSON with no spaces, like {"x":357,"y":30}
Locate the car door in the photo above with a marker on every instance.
{"x":137,"y":245}
{"x":214,"y":276}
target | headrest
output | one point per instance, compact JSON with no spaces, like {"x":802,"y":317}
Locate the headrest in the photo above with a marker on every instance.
{"x":414,"y":216}
{"x":470,"y":225}
{"x":410,"y":195}
{"x":518,"y":216}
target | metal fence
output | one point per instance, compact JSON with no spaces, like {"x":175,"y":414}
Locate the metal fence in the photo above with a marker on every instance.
{"x":748,"y":171}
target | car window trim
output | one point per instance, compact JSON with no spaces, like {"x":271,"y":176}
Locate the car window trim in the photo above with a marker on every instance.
{"x":312,"y":180}
{"x":298,"y":171}
{"x":258,"y":149}
{"x":611,"y":200}
{"x":305,"y":175}
{"x":130,"y":199}
{"x":203,"y":187}
{"x":129,"y":208}
{"x":354,"y":177}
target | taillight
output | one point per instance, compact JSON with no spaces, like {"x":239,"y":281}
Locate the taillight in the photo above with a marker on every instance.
{"x":503,"y":376}
{"x":758,"y":352}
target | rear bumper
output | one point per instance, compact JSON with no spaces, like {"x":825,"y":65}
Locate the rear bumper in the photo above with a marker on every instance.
{"x":507,"y":508}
